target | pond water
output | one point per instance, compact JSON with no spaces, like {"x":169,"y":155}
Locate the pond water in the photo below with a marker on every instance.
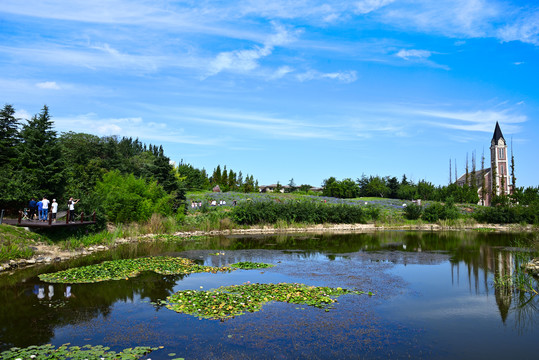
{"x":434,"y":298}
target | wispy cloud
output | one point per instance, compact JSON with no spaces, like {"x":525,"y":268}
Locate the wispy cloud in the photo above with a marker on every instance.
{"x":130,"y":127}
{"x":524,"y":29}
{"x":419,"y":56}
{"x":479,"y":120}
{"x":345,"y":76}
{"x":413,"y":54}
{"x":261,"y":125}
{"x":51,"y":85}
{"x":247,"y":60}
{"x":367,"y":6}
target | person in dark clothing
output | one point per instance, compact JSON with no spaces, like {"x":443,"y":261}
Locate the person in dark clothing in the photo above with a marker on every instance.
{"x":32,"y":205}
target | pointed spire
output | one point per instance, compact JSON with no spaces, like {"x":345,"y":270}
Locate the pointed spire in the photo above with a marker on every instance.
{"x":497,"y":134}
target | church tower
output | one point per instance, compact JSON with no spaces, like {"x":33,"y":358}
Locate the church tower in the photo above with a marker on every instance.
{"x":499,"y":163}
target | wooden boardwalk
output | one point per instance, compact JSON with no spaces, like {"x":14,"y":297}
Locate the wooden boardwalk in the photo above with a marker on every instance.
{"x":61,"y":222}
{"x":44,"y":224}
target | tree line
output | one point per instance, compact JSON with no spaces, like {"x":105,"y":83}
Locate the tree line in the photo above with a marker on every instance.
{"x":121,"y":177}
{"x":391,"y":187}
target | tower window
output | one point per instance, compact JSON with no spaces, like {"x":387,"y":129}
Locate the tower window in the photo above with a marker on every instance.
{"x":501,"y":153}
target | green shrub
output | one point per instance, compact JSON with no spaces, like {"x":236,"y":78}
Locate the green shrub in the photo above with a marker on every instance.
{"x":270,"y":212}
{"x":413,"y":211}
{"x":508,"y":214}
{"x":437,"y":211}
{"x":125,"y":198}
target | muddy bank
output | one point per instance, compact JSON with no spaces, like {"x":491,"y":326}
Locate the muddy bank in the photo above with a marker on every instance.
{"x":45,"y":253}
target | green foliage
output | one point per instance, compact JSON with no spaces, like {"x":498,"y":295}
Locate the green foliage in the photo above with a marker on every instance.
{"x":65,"y":351}
{"x":126,"y":268}
{"x":192,"y":178}
{"x":345,"y":189}
{"x":9,"y":135}
{"x":247,"y":265}
{"x":266,"y":212}
{"x":509,"y":214}
{"x":125,"y":198}
{"x":413,"y":211}
{"x":16,"y":243}
{"x":437,"y":211}
{"x":526,"y":196}
{"x":230,"y":301}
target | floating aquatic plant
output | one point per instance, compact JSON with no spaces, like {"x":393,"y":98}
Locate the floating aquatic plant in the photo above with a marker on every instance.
{"x":230,"y":301}
{"x":247,"y":265}
{"x":127,"y":268}
{"x":75,"y":352}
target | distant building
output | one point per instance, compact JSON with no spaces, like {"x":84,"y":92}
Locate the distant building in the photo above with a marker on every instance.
{"x":499,"y":165}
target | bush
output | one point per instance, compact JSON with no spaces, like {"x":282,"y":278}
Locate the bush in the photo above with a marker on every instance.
{"x":413,"y":211}
{"x":124,"y":198}
{"x":508,"y":214}
{"x":437,"y":211}
{"x":270,"y":212}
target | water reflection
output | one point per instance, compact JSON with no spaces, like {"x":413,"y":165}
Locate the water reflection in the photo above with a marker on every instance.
{"x":31,"y":311}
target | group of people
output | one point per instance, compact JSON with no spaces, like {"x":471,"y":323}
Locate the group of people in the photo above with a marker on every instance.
{"x":41,"y":209}
{"x":212,"y":202}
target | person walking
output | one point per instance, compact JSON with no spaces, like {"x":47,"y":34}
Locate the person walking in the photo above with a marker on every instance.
{"x":54,"y":209}
{"x":71,"y":206}
{"x":45,"y":203}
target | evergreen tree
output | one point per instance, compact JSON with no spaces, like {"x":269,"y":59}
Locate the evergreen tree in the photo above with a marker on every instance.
{"x":404,"y":181}
{"x":216,"y":177}
{"x":224,"y":179}
{"x":10,"y":192}
{"x":483,"y":181}
{"x":232,"y":180}
{"x":240,"y":180}
{"x":474,"y":171}
{"x":494,"y":181}
{"x":9,"y":135}
{"x":41,"y":168}
{"x":467,"y":176}
{"x":513,"y":178}
{"x":393,"y":185}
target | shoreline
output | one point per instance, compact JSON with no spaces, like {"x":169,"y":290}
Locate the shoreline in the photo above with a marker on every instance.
{"x":46,"y":253}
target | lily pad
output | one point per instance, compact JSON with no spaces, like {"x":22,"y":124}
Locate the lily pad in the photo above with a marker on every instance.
{"x":127,"y":268}
{"x":230,"y":301}
{"x":74,"y":352}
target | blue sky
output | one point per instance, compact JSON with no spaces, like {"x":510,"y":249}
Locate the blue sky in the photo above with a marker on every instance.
{"x":285,"y":89}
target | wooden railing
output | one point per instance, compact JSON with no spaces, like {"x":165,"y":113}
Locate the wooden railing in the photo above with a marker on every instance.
{"x":49,"y":217}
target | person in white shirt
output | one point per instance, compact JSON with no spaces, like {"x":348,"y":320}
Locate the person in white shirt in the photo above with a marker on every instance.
{"x":54,"y":209}
{"x":71,"y":206}
{"x":45,"y":203}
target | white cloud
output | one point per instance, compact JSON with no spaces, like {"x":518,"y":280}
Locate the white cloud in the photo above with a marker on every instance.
{"x":259,"y":124}
{"x":281,"y":72}
{"x":246,"y":60}
{"x":525,"y":29}
{"x":463,"y":18}
{"x":51,"y":85}
{"x":367,"y":6}
{"x":109,"y":129}
{"x":23,"y":115}
{"x":480,"y":120}
{"x":134,"y":127}
{"x":419,"y":54}
{"x":345,"y":76}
